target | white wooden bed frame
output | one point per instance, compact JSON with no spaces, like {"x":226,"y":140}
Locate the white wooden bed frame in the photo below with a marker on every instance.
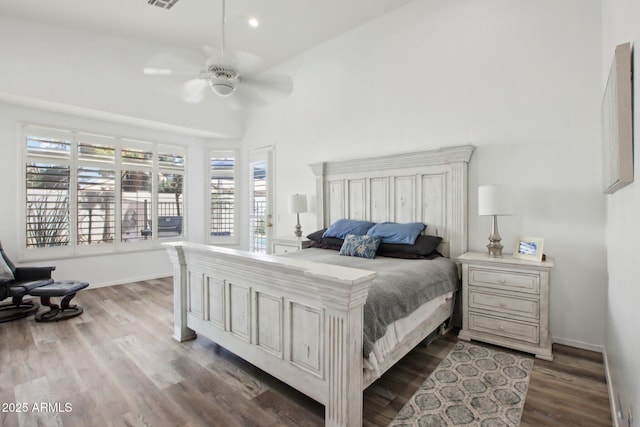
{"x":302,"y":321}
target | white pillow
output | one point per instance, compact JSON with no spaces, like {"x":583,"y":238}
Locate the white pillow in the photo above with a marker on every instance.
{"x":5,"y":271}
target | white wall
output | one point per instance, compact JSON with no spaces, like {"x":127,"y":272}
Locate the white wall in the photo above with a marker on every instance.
{"x":620,"y":25}
{"x":519,"y":80}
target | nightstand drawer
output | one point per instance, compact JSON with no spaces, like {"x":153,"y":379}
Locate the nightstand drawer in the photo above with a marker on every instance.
{"x":506,"y":280}
{"x":279,"y":248}
{"x":505,"y":328}
{"x":284,"y":245}
{"x":504,"y":304}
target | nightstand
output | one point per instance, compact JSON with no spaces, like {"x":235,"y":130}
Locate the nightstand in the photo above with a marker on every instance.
{"x":505,"y":301}
{"x":283,"y":245}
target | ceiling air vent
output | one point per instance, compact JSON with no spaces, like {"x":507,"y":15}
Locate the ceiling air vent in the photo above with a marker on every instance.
{"x":165,"y":4}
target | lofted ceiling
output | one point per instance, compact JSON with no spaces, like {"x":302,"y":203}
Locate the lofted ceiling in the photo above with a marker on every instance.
{"x":286,"y":27}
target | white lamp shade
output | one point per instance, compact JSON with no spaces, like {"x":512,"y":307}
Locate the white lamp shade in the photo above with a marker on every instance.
{"x":495,"y":200}
{"x":298,"y":203}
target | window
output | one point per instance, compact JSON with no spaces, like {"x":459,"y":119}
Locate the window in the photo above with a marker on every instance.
{"x":169,"y":204}
{"x":47,"y":187}
{"x":47,"y":205}
{"x":135,"y":199}
{"x":223,"y":195}
{"x":96,"y":205}
{"x":84,"y":190}
{"x":96,"y":190}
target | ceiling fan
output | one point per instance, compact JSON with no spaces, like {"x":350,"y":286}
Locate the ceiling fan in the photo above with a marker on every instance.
{"x":223,"y":75}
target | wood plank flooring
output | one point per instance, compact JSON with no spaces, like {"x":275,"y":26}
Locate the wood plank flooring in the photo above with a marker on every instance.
{"x":117,"y":365}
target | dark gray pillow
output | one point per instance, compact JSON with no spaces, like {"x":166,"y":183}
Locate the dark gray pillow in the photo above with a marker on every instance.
{"x":317,"y":241}
{"x":423,"y":247}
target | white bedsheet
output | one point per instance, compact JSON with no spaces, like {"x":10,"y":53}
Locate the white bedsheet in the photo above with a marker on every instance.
{"x":397,"y":331}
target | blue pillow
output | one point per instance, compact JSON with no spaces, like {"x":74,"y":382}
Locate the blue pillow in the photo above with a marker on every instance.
{"x":342,"y":227}
{"x":360,"y":246}
{"x":392,"y":232}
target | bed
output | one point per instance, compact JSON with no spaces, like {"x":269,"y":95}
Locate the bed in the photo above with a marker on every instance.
{"x":301,"y":320}
{"x":403,"y":294}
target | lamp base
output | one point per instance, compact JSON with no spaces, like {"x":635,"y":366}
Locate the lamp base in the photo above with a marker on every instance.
{"x":495,"y":249}
{"x":494,"y":246}
{"x":298,"y":231}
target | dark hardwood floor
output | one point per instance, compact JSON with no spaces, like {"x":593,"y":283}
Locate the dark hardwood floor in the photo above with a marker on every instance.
{"x":117,"y":365}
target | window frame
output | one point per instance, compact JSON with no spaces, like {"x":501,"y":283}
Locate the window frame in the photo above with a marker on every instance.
{"x":75,"y":249}
{"x":234,"y":238}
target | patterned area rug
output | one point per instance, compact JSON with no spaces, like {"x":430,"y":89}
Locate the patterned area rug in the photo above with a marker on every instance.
{"x":472,"y":386}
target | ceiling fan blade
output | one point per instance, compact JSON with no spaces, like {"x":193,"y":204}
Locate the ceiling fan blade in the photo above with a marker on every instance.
{"x":245,"y":99}
{"x":257,"y":91}
{"x":248,"y":62}
{"x":194,"y":90}
{"x":271,"y":85}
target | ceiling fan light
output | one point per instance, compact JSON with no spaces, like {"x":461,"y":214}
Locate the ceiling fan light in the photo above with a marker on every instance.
{"x":222,"y":88}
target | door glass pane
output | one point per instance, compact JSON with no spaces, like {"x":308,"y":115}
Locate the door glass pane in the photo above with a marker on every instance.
{"x":222,"y":196}
{"x":258,"y":213}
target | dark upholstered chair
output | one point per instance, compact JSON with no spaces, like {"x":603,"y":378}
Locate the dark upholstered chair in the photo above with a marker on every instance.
{"x":16,"y":283}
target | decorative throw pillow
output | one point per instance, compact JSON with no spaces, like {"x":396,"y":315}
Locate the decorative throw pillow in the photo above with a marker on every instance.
{"x":342,"y":227}
{"x":393,"y":232}
{"x":5,"y":270}
{"x":360,"y":246}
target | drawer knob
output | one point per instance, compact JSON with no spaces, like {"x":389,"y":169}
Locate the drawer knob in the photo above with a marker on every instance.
{"x":502,"y":328}
{"x":502,"y":305}
{"x":502,"y":281}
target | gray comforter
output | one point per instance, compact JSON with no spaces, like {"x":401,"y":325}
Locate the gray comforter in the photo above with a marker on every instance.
{"x":400,"y":288}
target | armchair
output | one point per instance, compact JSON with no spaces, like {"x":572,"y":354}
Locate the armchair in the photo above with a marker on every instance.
{"x":16,"y":283}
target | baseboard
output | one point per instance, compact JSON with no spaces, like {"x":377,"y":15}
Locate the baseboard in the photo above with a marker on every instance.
{"x":612,"y":396}
{"x":579,"y":344}
{"x":128,"y":280}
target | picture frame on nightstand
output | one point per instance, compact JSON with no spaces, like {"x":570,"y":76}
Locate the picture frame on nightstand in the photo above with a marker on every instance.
{"x":528,"y":248}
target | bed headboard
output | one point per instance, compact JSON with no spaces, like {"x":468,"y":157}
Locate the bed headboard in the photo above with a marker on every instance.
{"x":426,"y":186}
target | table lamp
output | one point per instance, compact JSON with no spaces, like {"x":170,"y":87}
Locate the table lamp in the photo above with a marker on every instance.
{"x":494,"y":200}
{"x":298,"y":205}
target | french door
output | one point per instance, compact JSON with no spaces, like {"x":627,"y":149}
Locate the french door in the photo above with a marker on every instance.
{"x":260,"y":199}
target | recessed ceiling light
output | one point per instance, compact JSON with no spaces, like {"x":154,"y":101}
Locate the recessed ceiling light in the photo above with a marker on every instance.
{"x":253,"y":22}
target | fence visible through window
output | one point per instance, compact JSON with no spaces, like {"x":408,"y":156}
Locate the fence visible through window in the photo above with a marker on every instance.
{"x":258,"y":226}
{"x":258,"y":214}
{"x":222,"y":212}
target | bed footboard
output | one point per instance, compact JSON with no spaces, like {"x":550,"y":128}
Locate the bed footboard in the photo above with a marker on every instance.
{"x":299,"y":321}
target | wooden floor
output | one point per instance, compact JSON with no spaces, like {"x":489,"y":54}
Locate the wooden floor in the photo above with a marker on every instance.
{"x":117,"y":365}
